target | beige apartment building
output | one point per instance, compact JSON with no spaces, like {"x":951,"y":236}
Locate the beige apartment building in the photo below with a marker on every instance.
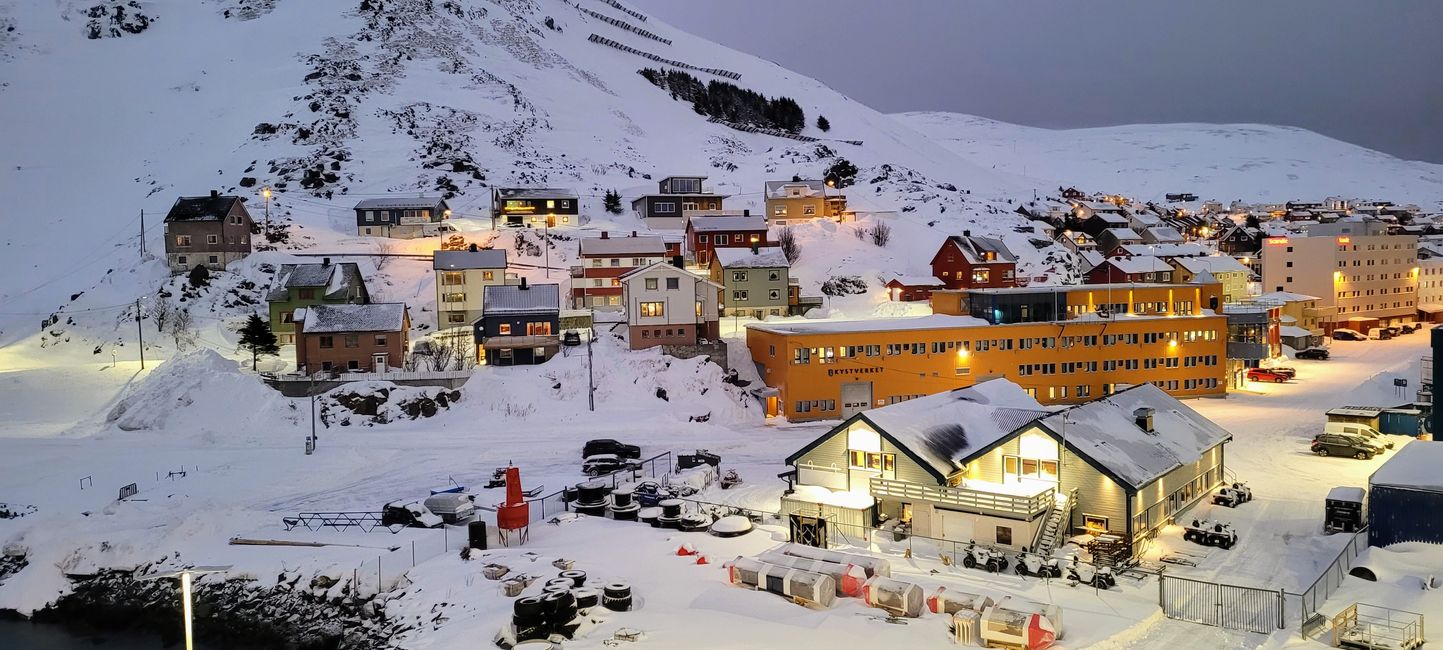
{"x":1354,"y":267}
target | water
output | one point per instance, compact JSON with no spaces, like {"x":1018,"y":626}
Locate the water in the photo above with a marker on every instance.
{"x":24,"y":635}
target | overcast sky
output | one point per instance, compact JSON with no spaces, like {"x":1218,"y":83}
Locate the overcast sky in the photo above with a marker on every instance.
{"x":1370,"y":73}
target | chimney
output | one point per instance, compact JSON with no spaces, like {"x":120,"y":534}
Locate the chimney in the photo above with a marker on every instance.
{"x":747,"y":212}
{"x":325,"y":261}
{"x":524,"y":286}
{"x":966,"y":233}
{"x":633,"y":233}
{"x":215,"y":194}
{"x":1143,"y":418}
{"x":605,"y":235}
{"x":474,"y":248}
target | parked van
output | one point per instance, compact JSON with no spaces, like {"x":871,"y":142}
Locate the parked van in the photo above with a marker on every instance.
{"x":1367,"y":433}
{"x":1380,"y":333}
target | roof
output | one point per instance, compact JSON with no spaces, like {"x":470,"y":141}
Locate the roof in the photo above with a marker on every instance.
{"x":917,"y":281}
{"x":642,"y":245}
{"x":1357,"y":411}
{"x":486,"y":258}
{"x":201,"y":208}
{"x":1285,"y":296}
{"x":375,"y":317}
{"x":400,"y":202}
{"x":1139,"y":264}
{"x":727,"y":222}
{"x":1122,"y":234}
{"x":1415,"y":467}
{"x":520,"y":299}
{"x":1293,"y":331}
{"x":534,"y":193}
{"x":336,"y":278}
{"x":940,"y":430}
{"x":1164,"y":234}
{"x":1106,"y":433}
{"x":1345,"y":493}
{"x":1430,"y":308}
{"x":976,"y":248}
{"x":774,"y":189}
{"x":1090,"y":259}
{"x":1103,"y":207}
{"x":766,"y":257}
{"x":665,"y":268}
{"x":1213,"y":264}
{"x":807,"y":326}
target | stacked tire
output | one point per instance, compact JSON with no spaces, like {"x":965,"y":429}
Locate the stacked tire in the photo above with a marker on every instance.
{"x":529,"y":618}
{"x":616,"y":596}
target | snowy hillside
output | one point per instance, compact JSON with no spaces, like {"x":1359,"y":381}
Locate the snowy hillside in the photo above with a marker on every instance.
{"x":1252,"y":162}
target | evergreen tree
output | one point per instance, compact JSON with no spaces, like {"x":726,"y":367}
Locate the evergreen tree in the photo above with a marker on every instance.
{"x":199,"y":276}
{"x":823,"y":124}
{"x":843,"y":171}
{"x":256,"y":335}
{"x":612,"y":202}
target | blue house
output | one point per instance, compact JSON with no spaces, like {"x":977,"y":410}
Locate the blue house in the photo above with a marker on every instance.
{"x":401,"y":217}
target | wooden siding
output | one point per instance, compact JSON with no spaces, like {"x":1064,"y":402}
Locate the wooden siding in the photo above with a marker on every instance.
{"x":1158,"y":491}
{"x":1097,"y":494}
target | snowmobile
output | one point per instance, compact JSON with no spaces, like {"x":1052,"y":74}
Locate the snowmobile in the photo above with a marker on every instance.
{"x":729,"y":479}
{"x":1233,"y":495}
{"x":1099,"y":577}
{"x":498,"y":478}
{"x":1210,"y":533}
{"x":981,"y":556}
{"x":1032,"y":564}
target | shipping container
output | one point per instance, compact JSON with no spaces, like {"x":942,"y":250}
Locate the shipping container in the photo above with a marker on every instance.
{"x":1405,"y":496}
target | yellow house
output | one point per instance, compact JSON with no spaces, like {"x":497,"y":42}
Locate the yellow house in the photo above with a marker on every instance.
{"x":1224,"y":269}
{"x":790,"y":201}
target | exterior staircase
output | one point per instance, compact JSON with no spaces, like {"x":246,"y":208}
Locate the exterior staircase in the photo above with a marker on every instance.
{"x":1053,"y":528}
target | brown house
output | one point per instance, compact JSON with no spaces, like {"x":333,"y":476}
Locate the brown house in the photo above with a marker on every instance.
{"x":210,"y":231}
{"x":968,"y":262}
{"x":912,"y":288}
{"x":705,"y":234}
{"x":351,"y":338}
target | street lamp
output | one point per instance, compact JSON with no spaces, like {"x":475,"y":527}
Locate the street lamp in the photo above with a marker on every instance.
{"x":266,"y":196}
{"x":185,"y":581}
{"x":830,"y":181}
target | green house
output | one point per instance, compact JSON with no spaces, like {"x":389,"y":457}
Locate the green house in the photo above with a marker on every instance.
{"x":304,"y":285}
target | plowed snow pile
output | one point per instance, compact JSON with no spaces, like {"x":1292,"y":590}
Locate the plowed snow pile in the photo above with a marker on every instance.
{"x":203,"y":395}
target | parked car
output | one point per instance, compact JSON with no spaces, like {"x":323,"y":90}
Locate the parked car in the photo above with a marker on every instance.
{"x":1264,"y":374}
{"x":570,"y":337}
{"x":1345,"y":334}
{"x":605,"y":464}
{"x":609,"y":446}
{"x":1316,"y":354}
{"x":1380,"y":333}
{"x":1335,"y":444}
{"x":1412,"y":327}
{"x":1286,"y":371}
{"x":1368,"y":434}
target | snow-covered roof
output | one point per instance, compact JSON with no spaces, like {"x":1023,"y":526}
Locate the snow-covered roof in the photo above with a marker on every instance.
{"x":201,"y":208}
{"x":1103,"y":208}
{"x":1147,"y":219}
{"x":1345,"y":493}
{"x":400,"y":203}
{"x":728,"y":222}
{"x":1139,"y":264}
{"x":779,"y":189}
{"x":917,"y":281}
{"x":520,"y":299}
{"x":1356,"y":411}
{"x":806,"y":326}
{"x":1106,"y":432}
{"x":1214,"y":264}
{"x":766,"y":257}
{"x":665,"y":268}
{"x":1164,"y":234}
{"x":375,"y":317}
{"x":338,"y":279}
{"x":535,"y":193}
{"x":975,"y":249}
{"x":1293,"y":331}
{"x":941,"y":430}
{"x":1415,"y":466}
{"x":640,"y":245}
{"x":1090,"y":259}
{"x":1430,"y":307}
{"x":1285,"y":296}
{"x":486,"y":258}
{"x":1123,"y":234}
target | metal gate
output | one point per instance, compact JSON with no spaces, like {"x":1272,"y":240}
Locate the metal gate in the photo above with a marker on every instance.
{"x":810,"y":531}
{"x":1227,"y":606}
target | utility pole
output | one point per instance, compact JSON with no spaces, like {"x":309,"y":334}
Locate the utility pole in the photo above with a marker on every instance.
{"x":546,"y":245}
{"x":590,"y":376}
{"x":142,"y":234}
{"x":140,"y":333}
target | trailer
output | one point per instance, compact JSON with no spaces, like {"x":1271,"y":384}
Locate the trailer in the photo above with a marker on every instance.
{"x":1343,"y":510}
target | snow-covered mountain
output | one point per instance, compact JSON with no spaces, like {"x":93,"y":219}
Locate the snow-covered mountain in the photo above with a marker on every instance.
{"x":1251,"y":162}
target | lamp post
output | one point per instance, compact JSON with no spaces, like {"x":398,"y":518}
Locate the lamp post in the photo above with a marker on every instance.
{"x":266,"y":199}
{"x":830,"y":181}
{"x":185,"y":576}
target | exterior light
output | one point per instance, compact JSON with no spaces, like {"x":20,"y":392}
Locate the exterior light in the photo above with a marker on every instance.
{"x":266,"y":193}
{"x":1172,"y":343}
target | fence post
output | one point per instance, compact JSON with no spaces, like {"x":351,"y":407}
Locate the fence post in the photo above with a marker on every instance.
{"x":1282,"y":609}
{"x":413,"y":553}
{"x":378,"y":576}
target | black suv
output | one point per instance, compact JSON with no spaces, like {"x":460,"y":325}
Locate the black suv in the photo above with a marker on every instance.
{"x":1316,"y":354}
{"x":609,"y":446}
{"x":1336,"y":444}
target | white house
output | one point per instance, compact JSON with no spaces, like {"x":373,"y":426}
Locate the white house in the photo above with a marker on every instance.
{"x":666,"y":305}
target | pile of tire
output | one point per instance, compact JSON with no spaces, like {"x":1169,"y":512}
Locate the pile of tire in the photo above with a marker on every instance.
{"x":529,"y":619}
{"x":616,"y":596}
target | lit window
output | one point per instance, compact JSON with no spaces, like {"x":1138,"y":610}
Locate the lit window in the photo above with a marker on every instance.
{"x":653,"y":309}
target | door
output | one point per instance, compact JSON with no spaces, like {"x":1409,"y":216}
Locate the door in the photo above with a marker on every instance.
{"x":956,"y":526}
{"x":378,"y":362}
{"x":856,"y":397}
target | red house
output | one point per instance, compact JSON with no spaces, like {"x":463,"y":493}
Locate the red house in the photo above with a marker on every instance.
{"x":704,"y":234}
{"x":911,"y":288}
{"x":1140,"y":269}
{"x":596,"y":282}
{"x":968,"y":262}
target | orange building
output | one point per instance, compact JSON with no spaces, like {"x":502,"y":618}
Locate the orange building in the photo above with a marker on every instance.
{"x":1061,"y":344}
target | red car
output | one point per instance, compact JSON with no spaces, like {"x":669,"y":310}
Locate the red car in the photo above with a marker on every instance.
{"x":1263,"y":374}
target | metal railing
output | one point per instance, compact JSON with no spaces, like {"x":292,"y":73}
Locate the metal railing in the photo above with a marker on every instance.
{"x":624,"y":25}
{"x":1231,"y":607}
{"x":1007,"y":505}
{"x":602,"y":40}
{"x":1332,"y":577}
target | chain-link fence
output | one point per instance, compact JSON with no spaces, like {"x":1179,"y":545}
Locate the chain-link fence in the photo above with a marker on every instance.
{"x":1308,"y":602}
{"x":388,"y":570}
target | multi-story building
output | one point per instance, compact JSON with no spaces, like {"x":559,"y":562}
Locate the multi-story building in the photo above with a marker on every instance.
{"x":676,"y":197}
{"x":1254,"y":335}
{"x":352,"y":338}
{"x":755,"y":281}
{"x":1298,"y":310}
{"x":302,"y":285}
{"x":1430,"y":290}
{"x":1363,"y":273}
{"x":799,"y":200}
{"x":968,"y":262}
{"x":521,"y":324}
{"x":704,"y":234}
{"x":538,"y":206}
{"x":667,"y":305}
{"x":1061,"y":344}
{"x":210,"y":231}
{"x":1225,"y":269}
{"x":596,"y":283}
{"x":400,"y":217}
{"x":461,"y":281}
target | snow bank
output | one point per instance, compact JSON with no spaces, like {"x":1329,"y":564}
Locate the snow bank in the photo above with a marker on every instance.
{"x":200,"y":395}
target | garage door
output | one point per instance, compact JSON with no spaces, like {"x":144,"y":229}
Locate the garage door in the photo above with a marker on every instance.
{"x":856,"y":397}
{"x":956,"y":526}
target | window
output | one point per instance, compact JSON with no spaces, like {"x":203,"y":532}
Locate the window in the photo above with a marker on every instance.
{"x":1094,"y":523}
{"x":809,"y":210}
{"x":353,"y":341}
{"x":180,"y":259}
{"x":774,"y":294}
{"x":702,"y":239}
{"x":616,"y":261}
{"x":653,"y":309}
{"x":665,"y":206}
{"x":326,"y":366}
{"x":774,"y":276}
{"x":214,"y":259}
{"x":327,"y":342}
{"x":739,"y":276}
{"x":779,"y":211}
{"x":287,"y":317}
{"x":673,"y":284}
{"x":651,"y":284}
{"x":504,"y":329}
{"x":739,"y":295}
{"x":212,"y":239}
{"x":538,"y":328}
{"x":596,"y":262}
{"x":488,"y":275}
{"x":981,"y":275}
{"x":307,"y":294}
{"x":1004,"y":535}
{"x":801,"y":356}
{"x":550,"y":204}
{"x":353,"y":365}
{"x":456,"y":317}
{"x":182,"y":240}
{"x":453,"y":297}
{"x":453,"y":278}
{"x":380,"y":340}
{"x":858,"y":459}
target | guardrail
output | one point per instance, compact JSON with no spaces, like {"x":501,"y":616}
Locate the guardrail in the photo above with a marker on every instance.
{"x":748,"y":128}
{"x":1008,"y":505}
{"x":602,"y":40}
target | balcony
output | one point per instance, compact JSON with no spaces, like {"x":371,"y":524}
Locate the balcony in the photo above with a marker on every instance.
{"x":997,"y":503}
